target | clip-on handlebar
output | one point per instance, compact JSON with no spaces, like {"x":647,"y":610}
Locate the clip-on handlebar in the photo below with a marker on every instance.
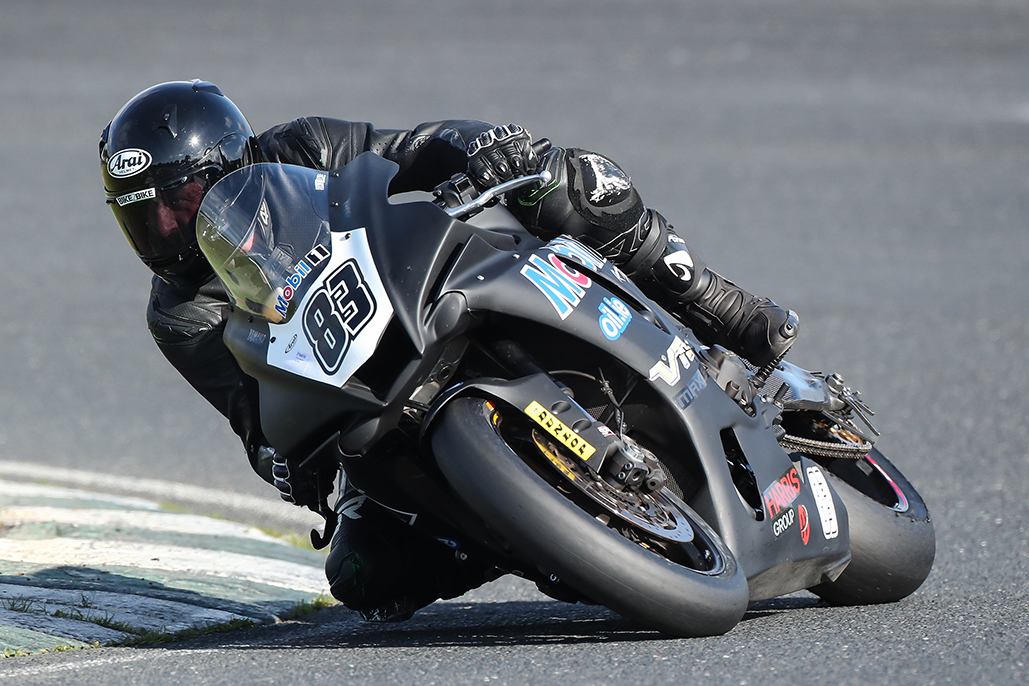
{"x":459,"y":198}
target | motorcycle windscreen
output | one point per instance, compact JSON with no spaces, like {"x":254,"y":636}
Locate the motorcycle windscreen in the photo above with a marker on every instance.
{"x":264,"y":229}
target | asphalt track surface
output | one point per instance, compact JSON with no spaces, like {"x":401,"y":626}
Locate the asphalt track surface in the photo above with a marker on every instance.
{"x":864,"y":162}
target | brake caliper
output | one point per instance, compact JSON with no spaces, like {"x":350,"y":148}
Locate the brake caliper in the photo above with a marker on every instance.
{"x":633,"y":467}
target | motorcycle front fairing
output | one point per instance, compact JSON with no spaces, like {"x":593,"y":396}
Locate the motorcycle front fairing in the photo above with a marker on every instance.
{"x":337,"y":307}
{"x":308,"y":305}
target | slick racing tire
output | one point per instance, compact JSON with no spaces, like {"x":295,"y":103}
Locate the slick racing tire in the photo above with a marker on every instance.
{"x":691,"y":588}
{"x":892,"y":539}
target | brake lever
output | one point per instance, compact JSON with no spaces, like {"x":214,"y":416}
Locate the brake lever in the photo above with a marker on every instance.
{"x":457,"y":197}
{"x":477,"y":204}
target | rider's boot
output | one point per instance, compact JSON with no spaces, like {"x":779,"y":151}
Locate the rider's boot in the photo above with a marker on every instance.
{"x":593,"y":200}
{"x":384,"y":570}
{"x":718,"y":311}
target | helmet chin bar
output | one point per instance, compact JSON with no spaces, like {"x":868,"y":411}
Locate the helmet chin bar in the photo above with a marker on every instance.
{"x":190,"y":266}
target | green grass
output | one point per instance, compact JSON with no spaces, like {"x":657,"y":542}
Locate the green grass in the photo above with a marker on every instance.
{"x":20,"y":604}
{"x":306,"y":607}
{"x":152,"y":637}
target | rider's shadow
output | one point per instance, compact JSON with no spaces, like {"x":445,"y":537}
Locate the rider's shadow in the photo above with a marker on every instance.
{"x":497,"y":624}
{"x":477,"y":624}
{"x":775,"y":606}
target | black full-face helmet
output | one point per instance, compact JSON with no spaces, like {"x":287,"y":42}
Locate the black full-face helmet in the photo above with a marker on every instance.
{"x":159,"y":155}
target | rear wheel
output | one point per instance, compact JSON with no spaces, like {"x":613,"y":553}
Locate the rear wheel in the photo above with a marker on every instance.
{"x":649,"y":557}
{"x":892,"y":539}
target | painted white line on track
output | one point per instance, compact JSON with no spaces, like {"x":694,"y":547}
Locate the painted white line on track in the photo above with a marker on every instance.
{"x":160,"y":490}
{"x":96,"y":662}
{"x":170,"y":558}
{"x":15,"y":489}
{"x":164,"y":522}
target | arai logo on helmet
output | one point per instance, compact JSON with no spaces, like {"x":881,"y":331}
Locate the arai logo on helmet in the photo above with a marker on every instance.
{"x":128,"y":162}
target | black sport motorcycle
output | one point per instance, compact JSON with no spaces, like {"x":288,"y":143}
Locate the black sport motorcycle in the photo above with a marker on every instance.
{"x":526,"y":404}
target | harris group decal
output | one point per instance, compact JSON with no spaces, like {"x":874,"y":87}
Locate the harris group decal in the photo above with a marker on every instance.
{"x":781,"y":493}
{"x":778,"y":498}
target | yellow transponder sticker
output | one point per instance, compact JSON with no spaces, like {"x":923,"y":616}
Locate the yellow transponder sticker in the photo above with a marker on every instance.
{"x":556,"y":428}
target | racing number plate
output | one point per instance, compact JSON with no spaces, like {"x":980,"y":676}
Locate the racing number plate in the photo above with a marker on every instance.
{"x":556,"y":428}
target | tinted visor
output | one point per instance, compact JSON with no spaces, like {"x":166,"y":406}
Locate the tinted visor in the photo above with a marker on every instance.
{"x":161,"y":222}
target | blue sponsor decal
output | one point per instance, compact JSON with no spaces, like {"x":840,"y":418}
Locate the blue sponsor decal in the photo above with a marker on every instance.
{"x":614,"y":317}
{"x":562,"y":285}
{"x":577,"y":252}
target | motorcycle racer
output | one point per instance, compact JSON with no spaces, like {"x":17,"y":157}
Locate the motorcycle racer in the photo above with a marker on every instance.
{"x":169,"y":144}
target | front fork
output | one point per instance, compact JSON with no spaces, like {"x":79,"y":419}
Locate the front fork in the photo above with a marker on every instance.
{"x":619,"y":460}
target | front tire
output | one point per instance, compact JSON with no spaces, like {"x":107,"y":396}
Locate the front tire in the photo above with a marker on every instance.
{"x":703,"y":592}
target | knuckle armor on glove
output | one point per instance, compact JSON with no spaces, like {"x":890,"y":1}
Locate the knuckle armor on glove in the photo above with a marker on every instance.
{"x":305,"y":486}
{"x":280,"y":473}
{"x":500,"y":154}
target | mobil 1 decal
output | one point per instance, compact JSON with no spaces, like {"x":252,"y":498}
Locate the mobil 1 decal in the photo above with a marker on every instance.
{"x":339,"y":319}
{"x":301,"y":271}
{"x":778,"y":498}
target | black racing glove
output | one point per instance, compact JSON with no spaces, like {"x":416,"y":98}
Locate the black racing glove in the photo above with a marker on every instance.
{"x":306,"y":486}
{"x":500,"y":154}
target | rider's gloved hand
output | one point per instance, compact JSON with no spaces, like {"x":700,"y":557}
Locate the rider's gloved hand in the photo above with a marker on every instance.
{"x":302,"y":486}
{"x":500,"y":154}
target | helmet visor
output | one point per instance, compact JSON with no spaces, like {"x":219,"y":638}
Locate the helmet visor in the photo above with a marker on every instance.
{"x":161,"y":222}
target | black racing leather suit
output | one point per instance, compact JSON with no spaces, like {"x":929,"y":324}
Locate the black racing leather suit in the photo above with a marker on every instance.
{"x":187,"y":319}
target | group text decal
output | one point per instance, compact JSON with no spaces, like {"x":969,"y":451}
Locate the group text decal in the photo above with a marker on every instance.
{"x":779,"y":497}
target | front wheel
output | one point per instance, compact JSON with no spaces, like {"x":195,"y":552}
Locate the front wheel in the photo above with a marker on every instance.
{"x":684,"y":584}
{"x":892,"y":540}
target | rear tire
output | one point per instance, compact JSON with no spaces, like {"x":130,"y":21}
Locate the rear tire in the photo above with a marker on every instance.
{"x":892,"y":539}
{"x":549,"y":529}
